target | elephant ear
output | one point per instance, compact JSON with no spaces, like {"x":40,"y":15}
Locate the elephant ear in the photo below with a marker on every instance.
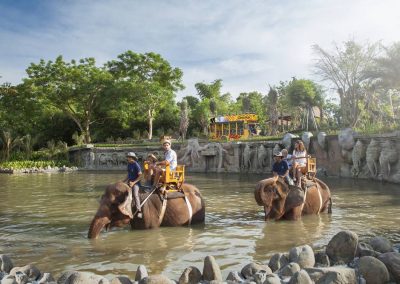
{"x":126,"y":206}
{"x":295,"y":197}
{"x":258,"y":192}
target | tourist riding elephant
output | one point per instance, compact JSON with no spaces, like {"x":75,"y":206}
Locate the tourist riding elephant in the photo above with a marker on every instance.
{"x":282,"y":201}
{"x":116,"y":205}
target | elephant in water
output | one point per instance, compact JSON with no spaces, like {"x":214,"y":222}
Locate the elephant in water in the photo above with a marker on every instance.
{"x":116,"y":205}
{"x":281,"y":201}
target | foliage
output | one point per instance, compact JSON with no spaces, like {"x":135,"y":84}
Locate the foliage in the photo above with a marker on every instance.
{"x":28,"y":164}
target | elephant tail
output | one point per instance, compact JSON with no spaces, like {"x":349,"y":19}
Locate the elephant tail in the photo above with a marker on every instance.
{"x":330,"y":205}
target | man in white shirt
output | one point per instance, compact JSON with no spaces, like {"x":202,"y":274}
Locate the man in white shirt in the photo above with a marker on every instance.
{"x":170,"y":158}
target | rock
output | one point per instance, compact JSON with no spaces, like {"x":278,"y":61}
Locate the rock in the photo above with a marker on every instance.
{"x":321,"y":259}
{"x":156,"y":279}
{"x":364,"y":249}
{"x":373,"y":270}
{"x":5,"y":263}
{"x":8,"y":279}
{"x":303,"y":255}
{"x":21,"y":278}
{"x":121,"y":280}
{"x":2,"y":275}
{"x":392,"y":262}
{"x":211,"y":269}
{"x":278,"y":261}
{"x":301,"y":277}
{"x":234,"y":276}
{"x":272,"y":279}
{"x":141,"y":272}
{"x":342,"y":247}
{"x":30,"y":270}
{"x":77,"y":277}
{"x":250,"y":269}
{"x":260,"y":276}
{"x":289,"y":270}
{"x":190,"y":275}
{"x":334,"y":274}
{"x":381,"y":244}
{"x":46,"y":277}
{"x":64,"y":276}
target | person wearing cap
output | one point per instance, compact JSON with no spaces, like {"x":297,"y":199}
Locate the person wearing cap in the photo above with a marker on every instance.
{"x":170,"y":158}
{"x":280,"y":168}
{"x":133,"y":179}
{"x":151,"y":161}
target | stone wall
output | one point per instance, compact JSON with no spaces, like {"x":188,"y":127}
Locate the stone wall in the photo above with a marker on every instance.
{"x":346,"y":154}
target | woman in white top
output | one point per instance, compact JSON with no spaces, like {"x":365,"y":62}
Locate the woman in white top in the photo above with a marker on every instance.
{"x":299,"y":160}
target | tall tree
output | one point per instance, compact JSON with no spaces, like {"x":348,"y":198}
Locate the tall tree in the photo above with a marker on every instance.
{"x":209,"y":91}
{"x":184,"y":122}
{"x":346,"y":68}
{"x":74,"y":87}
{"x":148,"y":80}
{"x":272,"y":108}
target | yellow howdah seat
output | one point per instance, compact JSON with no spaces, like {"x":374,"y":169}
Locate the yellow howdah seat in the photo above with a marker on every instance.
{"x":311,"y":165}
{"x":175,"y":177}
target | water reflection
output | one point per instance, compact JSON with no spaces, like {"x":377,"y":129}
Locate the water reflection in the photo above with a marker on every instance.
{"x":44,"y":220}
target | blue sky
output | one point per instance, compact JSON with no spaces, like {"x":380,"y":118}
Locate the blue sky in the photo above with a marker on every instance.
{"x":248,"y":44}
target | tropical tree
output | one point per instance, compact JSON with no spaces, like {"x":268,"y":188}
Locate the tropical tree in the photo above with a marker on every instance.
{"x":272,"y":109}
{"x":305,"y":94}
{"x":73,"y":87}
{"x":184,"y":122}
{"x":148,"y":80}
{"x":346,"y":68}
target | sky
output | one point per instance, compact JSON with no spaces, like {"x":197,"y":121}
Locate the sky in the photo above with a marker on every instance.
{"x":249,"y":44}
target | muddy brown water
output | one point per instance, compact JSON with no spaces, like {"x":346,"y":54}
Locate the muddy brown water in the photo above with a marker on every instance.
{"x":44,"y":220}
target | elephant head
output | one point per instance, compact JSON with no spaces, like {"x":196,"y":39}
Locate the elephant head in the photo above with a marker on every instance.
{"x":114,"y":211}
{"x":277,"y":198}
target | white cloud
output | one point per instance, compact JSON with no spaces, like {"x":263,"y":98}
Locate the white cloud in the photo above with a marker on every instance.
{"x":247,"y":44}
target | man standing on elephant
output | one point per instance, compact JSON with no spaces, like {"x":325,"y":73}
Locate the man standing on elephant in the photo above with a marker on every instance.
{"x":133,"y":179}
{"x":280,"y":168}
{"x":170,"y":158}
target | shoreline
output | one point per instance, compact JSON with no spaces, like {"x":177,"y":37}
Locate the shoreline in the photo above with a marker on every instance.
{"x":345,"y":259}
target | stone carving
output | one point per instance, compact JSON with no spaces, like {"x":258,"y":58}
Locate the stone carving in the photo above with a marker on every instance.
{"x":372,"y":157}
{"x":287,"y":140}
{"x":388,"y":157}
{"x":191,"y":154}
{"x":306,"y":137}
{"x":102,"y":160}
{"x":321,"y":137}
{"x":358,"y":157}
{"x":246,"y":157}
{"x":276,"y":149}
{"x":346,"y":139}
{"x":262,"y":157}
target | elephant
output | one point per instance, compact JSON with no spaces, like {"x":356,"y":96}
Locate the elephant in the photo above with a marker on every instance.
{"x":116,"y":205}
{"x":281,"y":201}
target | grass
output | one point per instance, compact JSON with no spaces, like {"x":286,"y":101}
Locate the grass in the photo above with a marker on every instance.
{"x":27,"y":164}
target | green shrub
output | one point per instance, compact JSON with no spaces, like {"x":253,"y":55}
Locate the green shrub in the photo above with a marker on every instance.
{"x":27,"y":164}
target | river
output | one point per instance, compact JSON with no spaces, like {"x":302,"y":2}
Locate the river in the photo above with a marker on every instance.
{"x":44,"y":220}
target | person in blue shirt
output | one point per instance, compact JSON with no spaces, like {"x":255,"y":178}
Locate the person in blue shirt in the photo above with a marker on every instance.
{"x":280,"y":168}
{"x":133,"y":179}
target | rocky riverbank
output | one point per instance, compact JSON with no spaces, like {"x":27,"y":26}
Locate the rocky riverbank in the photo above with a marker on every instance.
{"x":38,"y":170}
{"x":345,"y":260}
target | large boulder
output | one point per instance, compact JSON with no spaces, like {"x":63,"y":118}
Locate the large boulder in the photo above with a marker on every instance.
{"x":278,"y":261}
{"x":321,"y":259}
{"x":342,"y":247}
{"x":121,"y":280}
{"x":364,"y":249}
{"x":211,"y":270}
{"x":30,"y":270}
{"x":46,"y":278}
{"x":5,"y":263}
{"x":373,"y":270}
{"x":156,"y":279}
{"x":306,"y":137}
{"x":301,"y":277}
{"x":381,"y":244}
{"x":392,"y":262}
{"x":190,"y":275}
{"x":8,"y":279}
{"x":289,"y":270}
{"x":272,"y":279}
{"x":334,"y":274}
{"x":250,"y":269}
{"x":77,"y":277}
{"x":303,"y":255}
{"x":141,"y":272}
{"x":234,"y":276}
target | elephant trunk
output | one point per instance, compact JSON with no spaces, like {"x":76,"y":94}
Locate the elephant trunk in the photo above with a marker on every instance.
{"x":98,"y":223}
